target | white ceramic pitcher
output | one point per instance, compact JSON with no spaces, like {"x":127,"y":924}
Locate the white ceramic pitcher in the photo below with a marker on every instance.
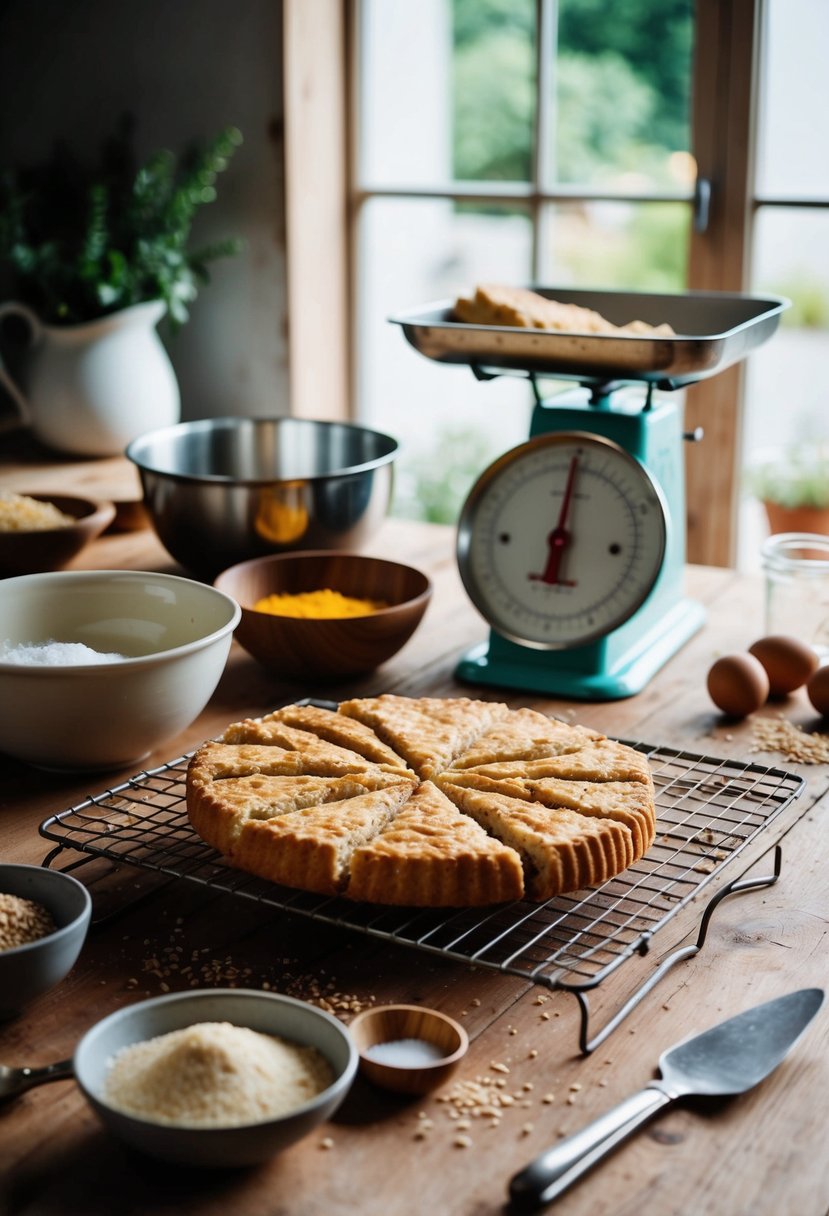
{"x":92,"y":388}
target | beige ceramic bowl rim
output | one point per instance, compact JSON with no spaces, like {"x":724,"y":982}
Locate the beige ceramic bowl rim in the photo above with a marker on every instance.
{"x":378,"y":1010}
{"x":342,"y":1079}
{"x":40,"y":671}
{"x":64,"y":931}
{"x":273,"y":559}
{"x":97,"y":506}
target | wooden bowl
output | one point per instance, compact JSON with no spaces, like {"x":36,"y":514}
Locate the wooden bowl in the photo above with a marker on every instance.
{"x":32,"y":552}
{"x":395,"y":1026}
{"x":324,"y":648}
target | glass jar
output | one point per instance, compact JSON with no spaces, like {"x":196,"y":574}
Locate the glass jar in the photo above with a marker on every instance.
{"x":796,"y":566}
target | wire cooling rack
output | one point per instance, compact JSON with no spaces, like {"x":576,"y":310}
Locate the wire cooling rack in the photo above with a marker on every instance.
{"x":708,"y":811}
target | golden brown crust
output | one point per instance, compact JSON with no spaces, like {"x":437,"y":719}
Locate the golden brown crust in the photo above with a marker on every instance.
{"x":428,"y":732}
{"x":312,"y":848}
{"x":628,"y":802}
{"x":522,"y":308}
{"x":599,"y":760}
{"x":562,"y":849}
{"x":227,"y":786}
{"x":525,"y":734}
{"x":433,"y":856}
{"x":297,"y":726}
{"x":520,"y":803}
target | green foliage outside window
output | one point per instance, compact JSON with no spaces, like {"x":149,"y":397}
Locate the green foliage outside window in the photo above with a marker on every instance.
{"x":433,"y":485}
{"x":622,"y":78}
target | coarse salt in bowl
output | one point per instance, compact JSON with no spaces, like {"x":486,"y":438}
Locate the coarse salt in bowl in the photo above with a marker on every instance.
{"x":99,"y":667}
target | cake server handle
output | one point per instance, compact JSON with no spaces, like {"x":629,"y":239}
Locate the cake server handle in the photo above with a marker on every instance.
{"x":554,"y":1170}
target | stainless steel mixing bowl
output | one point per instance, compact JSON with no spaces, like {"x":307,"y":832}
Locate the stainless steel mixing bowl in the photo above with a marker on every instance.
{"x":222,"y":490}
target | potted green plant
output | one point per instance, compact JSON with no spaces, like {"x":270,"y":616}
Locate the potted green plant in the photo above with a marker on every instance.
{"x":793,"y":487}
{"x":98,"y":254}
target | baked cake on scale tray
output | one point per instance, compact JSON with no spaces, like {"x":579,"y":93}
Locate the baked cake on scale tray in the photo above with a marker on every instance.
{"x":429,"y":802}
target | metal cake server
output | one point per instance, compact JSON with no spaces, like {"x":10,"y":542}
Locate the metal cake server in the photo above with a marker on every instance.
{"x":727,"y":1059}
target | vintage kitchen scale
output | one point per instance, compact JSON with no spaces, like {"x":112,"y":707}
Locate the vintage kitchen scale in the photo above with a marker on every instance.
{"x":572,"y":545}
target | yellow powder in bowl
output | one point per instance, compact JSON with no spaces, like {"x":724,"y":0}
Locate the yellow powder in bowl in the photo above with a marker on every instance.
{"x":20,"y":513}
{"x":317,"y":605}
{"x":214,"y":1074}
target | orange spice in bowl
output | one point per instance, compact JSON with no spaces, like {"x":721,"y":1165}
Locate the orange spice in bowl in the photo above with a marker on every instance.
{"x":323,"y":604}
{"x":325,"y":644}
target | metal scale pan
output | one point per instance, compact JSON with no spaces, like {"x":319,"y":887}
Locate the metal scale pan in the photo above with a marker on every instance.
{"x":711,"y":332}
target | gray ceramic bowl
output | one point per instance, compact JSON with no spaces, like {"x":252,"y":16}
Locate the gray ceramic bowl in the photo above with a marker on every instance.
{"x":174,"y":634}
{"x":27,"y":971}
{"x":266,"y":1012}
{"x":223,"y":490}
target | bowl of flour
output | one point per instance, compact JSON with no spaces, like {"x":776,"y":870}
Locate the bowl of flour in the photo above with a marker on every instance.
{"x":215,"y":1078}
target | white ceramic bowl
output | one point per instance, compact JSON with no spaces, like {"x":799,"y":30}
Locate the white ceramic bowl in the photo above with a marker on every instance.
{"x":174,"y":633}
{"x":28,"y":970}
{"x":269,"y":1013}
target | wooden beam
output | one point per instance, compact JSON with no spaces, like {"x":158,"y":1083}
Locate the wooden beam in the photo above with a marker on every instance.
{"x":314,"y":34}
{"x":727,"y":35}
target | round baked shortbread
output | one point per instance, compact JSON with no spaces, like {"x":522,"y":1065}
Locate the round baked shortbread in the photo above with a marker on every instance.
{"x":430,"y":802}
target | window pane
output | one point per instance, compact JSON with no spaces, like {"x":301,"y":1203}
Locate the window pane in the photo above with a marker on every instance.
{"x":449,"y":424}
{"x":637,"y":247}
{"x":405,"y":124}
{"x":785,"y":398}
{"x":622,"y":94}
{"x":794,"y":124}
{"x":448,"y":90}
{"x":493,"y":70}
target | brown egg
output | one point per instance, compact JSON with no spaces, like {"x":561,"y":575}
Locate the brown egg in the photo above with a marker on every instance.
{"x":738,"y":684}
{"x":788,"y":662}
{"x":817,"y":690}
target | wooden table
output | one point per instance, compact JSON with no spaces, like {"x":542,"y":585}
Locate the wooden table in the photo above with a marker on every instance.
{"x":763,"y":1153}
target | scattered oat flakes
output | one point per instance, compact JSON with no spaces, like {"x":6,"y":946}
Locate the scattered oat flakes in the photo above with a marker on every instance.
{"x":326,"y":1142}
{"x":462,"y":1142}
{"x":777,"y":734}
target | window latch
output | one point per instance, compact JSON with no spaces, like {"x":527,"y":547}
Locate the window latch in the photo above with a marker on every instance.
{"x":702,"y":204}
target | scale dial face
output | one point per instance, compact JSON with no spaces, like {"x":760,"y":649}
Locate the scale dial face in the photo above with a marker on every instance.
{"x":561,"y":540}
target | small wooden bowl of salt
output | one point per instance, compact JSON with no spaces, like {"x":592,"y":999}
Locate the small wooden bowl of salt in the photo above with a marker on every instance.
{"x":407,"y":1048}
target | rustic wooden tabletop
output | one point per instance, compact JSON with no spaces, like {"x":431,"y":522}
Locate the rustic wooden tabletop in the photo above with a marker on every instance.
{"x":762,"y":1153}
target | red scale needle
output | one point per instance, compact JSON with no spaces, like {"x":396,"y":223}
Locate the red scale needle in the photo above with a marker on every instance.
{"x":560,"y":537}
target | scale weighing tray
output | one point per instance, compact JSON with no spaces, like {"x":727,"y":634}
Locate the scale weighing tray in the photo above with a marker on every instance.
{"x":712,"y":331}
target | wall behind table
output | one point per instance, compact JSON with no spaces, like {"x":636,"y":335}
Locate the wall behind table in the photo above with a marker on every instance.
{"x":185,"y":69}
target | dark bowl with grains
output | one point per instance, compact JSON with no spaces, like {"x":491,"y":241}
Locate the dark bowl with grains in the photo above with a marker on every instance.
{"x":44,"y":918}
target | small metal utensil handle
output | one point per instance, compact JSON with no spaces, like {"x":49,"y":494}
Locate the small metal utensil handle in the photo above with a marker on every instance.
{"x":553,"y":1171}
{"x":28,"y":1078}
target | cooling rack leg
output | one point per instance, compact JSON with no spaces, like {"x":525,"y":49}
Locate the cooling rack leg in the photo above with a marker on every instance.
{"x":588,"y":1045}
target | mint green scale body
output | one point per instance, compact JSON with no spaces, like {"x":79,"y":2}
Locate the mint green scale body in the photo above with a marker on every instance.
{"x":623,"y":661}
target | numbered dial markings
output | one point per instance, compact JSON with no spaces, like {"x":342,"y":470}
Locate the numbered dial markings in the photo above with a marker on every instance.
{"x":561,"y":540}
